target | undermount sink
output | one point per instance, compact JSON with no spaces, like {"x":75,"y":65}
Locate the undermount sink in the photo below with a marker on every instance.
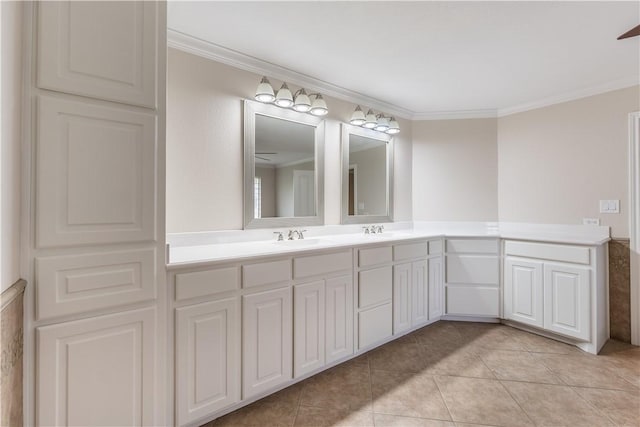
{"x":299,"y":242}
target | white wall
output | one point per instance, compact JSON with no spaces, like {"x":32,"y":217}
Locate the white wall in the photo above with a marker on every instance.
{"x":455,"y":170}
{"x":205,"y":146}
{"x":11,"y":90}
{"x":556,"y":163}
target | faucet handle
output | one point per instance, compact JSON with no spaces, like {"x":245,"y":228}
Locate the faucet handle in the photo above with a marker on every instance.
{"x":366,"y":229}
{"x":280,"y":236}
{"x":380,"y":228}
{"x":300,"y":235}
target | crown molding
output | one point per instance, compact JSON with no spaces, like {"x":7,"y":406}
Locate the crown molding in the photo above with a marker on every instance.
{"x":571,"y":96}
{"x":206,"y":49}
{"x":456,"y":115}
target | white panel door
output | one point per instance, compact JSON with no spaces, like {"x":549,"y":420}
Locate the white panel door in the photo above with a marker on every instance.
{"x":401,"y":297}
{"x":304,"y":193}
{"x":207,"y":358}
{"x":98,"y":372}
{"x":96,"y":180}
{"x":102,"y":49}
{"x":339,"y":318}
{"x":419,"y":293}
{"x":436,"y":288}
{"x":308,"y":329}
{"x":523,"y":291}
{"x":267,"y":340}
{"x":567,"y":300}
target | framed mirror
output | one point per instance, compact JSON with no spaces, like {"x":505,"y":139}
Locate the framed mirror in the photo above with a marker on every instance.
{"x":283,"y":167}
{"x":367,"y":176}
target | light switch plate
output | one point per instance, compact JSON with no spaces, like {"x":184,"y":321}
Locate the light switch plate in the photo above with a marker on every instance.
{"x":591,"y":221}
{"x":609,"y":206}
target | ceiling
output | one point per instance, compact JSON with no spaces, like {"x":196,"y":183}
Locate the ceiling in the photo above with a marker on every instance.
{"x":432,"y":57}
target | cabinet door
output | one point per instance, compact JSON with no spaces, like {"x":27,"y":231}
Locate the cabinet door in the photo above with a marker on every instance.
{"x":267,"y":340}
{"x":339,"y":318}
{"x":567,"y":300}
{"x":419,"y":293}
{"x":98,"y":371}
{"x":105,"y":50}
{"x":401,"y":297}
{"x":207,"y":358}
{"x":523,"y":291}
{"x":436,"y":288}
{"x":308,"y":331}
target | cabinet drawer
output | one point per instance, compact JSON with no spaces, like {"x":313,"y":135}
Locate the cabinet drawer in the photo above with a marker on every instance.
{"x":374,"y":286}
{"x":410,"y":250}
{"x":473,"y":301}
{"x":472,"y":269}
{"x":374,"y":325}
{"x":435,"y":247}
{"x":472,"y":246}
{"x":321,"y":264}
{"x":374,"y":256}
{"x":266,"y":273}
{"x":572,"y":254}
{"x":209,"y":282}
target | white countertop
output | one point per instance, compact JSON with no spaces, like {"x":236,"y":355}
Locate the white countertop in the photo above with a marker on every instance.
{"x":191,"y":249}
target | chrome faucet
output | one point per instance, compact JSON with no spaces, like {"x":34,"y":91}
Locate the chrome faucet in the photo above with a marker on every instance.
{"x":296,"y":232}
{"x":280,"y":236}
{"x":377,"y":229}
{"x":366,"y":229}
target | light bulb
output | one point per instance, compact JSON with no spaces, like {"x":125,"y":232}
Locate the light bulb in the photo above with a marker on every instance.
{"x":283,"y":97}
{"x":394,"y":127}
{"x":319,"y":107}
{"x":370,"y":120}
{"x":264,"y":92}
{"x":302,"y":102}
{"x":357,"y":118}
{"x":382,"y":124}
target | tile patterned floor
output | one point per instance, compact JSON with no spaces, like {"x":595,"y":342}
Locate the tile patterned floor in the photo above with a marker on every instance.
{"x":462,"y":374}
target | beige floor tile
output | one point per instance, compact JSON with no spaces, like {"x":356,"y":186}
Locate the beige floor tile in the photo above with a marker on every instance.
{"x":555,"y":405}
{"x":384,"y":420}
{"x":518,"y":366}
{"x":347,"y":386}
{"x":586,"y":371}
{"x":480,"y":401}
{"x":288,"y":396}
{"x":440,"y":335}
{"x":539,"y":344}
{"x":312,"y":416}
{"x":402,"y":393}
{"x":402,"y":355}
{"x":259,"y":414}
{"x":462,"y":363}
{"x":622,"y":407}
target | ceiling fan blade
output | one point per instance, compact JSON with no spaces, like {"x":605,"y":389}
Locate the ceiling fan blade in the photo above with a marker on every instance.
{"x":635,"y":31}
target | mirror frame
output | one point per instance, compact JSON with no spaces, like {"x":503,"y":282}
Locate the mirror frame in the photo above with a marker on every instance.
{"x":367,"y":133}
{"x":251,"y":108}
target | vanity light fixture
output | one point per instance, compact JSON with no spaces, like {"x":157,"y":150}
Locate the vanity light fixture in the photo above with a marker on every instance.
{"x":318,"y":106}
{"x":357,"y":118}
{"x":382,"y":124}
{"x":312,"y":103}
{"x":284,"y":98}
{"x":370,"y":120}
{"x":379,"y":122}
{"x":301,"y":102}
{"x":264,"y":93}
{"x":394,"y":126}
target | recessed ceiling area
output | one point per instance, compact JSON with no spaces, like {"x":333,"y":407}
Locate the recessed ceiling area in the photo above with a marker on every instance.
{"x":428,"y":57}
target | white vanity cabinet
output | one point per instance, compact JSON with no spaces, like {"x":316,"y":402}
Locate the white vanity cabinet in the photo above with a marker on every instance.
{"x":207,"y":341}
{"x":374,"y":295}
{"x":557,"y":288}
{"x":472,"y":277}
{"x":323,"y":310}
{"x":410,"y":286}
{"x":266,"y":340}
